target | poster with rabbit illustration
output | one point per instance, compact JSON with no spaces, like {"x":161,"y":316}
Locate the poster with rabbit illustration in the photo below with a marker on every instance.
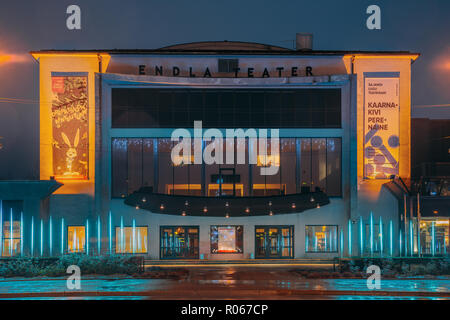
{"x":70,"y":127}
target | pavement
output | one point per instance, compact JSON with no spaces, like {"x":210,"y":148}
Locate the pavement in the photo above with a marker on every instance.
{"x":220,"y":282}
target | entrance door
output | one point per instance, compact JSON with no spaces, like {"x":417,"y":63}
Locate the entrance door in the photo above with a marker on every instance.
{"x":179,"y":242}
{"x":274,"y":242}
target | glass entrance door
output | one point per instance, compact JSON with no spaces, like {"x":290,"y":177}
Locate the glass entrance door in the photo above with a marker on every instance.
{"x":274,"y":242}
{"x":179,"y":242}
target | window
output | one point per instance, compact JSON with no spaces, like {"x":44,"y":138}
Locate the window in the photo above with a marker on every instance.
{"x":11,"y":232}
{"x":434,"y":236}
{"x":226,"y":108}
{"x":179,"y":242}
{"x":304,"y":165}
{"x":228,"y":65}
{"x":227,"y":239}
{"x":131,"y":240}
{"x":321,"y":238}
{"x":76,"y":238}
{"x":274,"y":242}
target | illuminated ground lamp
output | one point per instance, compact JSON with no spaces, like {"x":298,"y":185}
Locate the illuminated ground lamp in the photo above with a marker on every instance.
{"x":411,"y":238}
{"x":341,"y":236}
{"x":110,"y":233}
{"x":32,"y":236}
{"x":99,"y":238}
{"x":432,"y":239}
{"x":361,"y":237}
{"x":381,"y":237}
{"x":50,"y":236}
{"x":1,"y":228}
{"x":391,"y":238}
{"x":87,"y":236}
{"x":371,"y":234}
{"x":349,"y":237}
{"x":42,"y":237}
{"x":21,"y":234}
{"x":11,"y":234}
{"x":134,"y":236}
{"x":122,"y":239}
{"x":62,"y":236}
{"x":400,"y":242}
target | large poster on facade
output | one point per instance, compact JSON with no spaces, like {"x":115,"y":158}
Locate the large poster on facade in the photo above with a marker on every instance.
{"x":381,"y":127}
{"x":70,"y":127}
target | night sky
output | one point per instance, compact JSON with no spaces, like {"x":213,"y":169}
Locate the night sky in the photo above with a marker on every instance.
{"x":417,"y":26}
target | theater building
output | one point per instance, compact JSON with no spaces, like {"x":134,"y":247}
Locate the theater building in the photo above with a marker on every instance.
{"x":109,"y":183}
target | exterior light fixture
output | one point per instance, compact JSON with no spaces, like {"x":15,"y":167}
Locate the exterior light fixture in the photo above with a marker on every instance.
{"x":270,"y":213}
{"x":293,"y":206}
{"x":227,"y":204}
{"x":122,"y":195}
{"x":270,"y":203}
{"x":227,"y":216}
{"x":183,"y":213}
{"x":186,"y":203}
{"x":318,"y":206}
{"x":205,"y":209}
{"x":247,"y":210}
{"x":161,"y":206}
{"x":137,"y":207}
{"x":311,"y":199}
{"x":144,"y":200}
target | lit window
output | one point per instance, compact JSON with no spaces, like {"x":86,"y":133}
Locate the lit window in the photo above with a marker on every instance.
{"x":11,"y":242}
{"x":321,"y":238}
{"x":76,"y":238}
{"x":131,"y":240}
{"x":227,"y":239}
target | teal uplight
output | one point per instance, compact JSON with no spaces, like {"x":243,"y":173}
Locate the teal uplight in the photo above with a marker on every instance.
{"x":42,"y":237}
{"x":21,"y":234}
{"x":87,"y":236}
{"x":381,"y":237}
{"x":110,"y":233}
{"x":391,"y":238}
{"x":50,"y":236}
{"x":99,"y":238}
{"x":62,"y":236}
{"x":350,"y":237}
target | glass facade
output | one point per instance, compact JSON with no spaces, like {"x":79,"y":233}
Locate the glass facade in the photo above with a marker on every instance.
{"x":321,"y":238}
{"x":138,"y":162}
{"x":131,"y":240}
{"x":227,"y":239}
{"x":11,"y":227}
{"x":179,"y":242}
{"x":434,"y":236}
{"x":76,"y":239}
{"x":226,"y":108}
{"x":274,"y":242}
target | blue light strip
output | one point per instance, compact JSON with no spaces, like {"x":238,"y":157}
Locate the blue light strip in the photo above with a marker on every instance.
{"x":411,"y":237}
{"x":110,"y":233}
{"x":99,"y":238}
{"x":1,"y":228}
{"x":391,"y":238}
{"x":381,"y":237}
{"x":134,"y":236}
{"x":432,"y":239}
{"x":32,"y":236}
{"x":21,"y":234}
{"x":371,"y":233}
{"x":361,"y":240}
{"x":62,"y":236}
{"x":11,"y":234}
{"x":87,"y":236}
{"x":42,"y":237}
{"x":349,"y":238}
{"x":51,"y":236}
